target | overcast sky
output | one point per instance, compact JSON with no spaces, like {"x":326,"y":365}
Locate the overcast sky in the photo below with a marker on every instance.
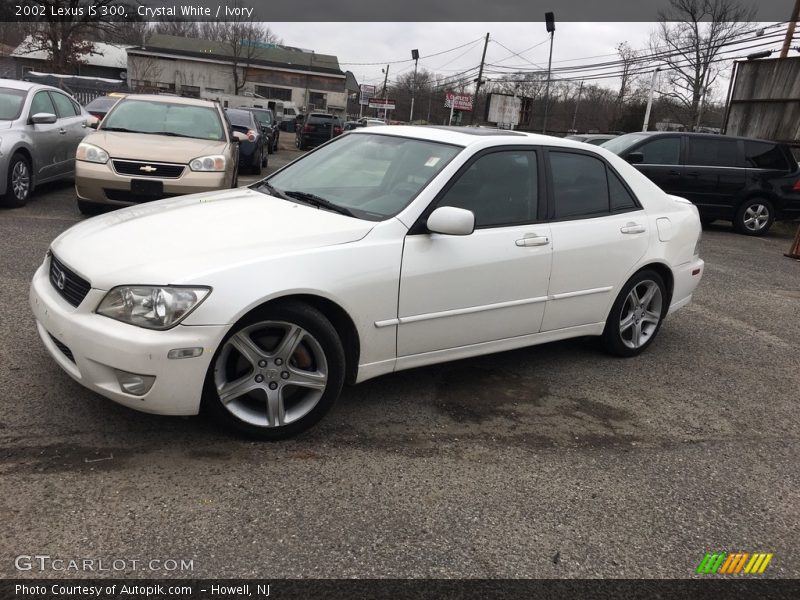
{"x":386,"y":42}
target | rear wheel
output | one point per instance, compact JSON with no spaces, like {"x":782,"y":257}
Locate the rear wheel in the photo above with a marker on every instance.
{"x":637,"y":314}
{"x":19,"y":182}
{"x":258,"y":163}
{"x":754,"y":217}
{"x":276,"y":373}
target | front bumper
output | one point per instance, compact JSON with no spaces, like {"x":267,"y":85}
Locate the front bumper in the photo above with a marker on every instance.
{"x":100,"y":345}
{"x":94,"y":182}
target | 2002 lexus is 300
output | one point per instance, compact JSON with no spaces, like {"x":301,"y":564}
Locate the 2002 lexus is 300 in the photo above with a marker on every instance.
{"x":385,"y":249}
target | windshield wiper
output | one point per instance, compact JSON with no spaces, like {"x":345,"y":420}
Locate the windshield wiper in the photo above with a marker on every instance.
{"x":273,"y":191}
{"x":118,"y":129}
{"x":319,"y":202}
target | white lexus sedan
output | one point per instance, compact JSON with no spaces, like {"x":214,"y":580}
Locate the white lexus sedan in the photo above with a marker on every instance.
{"x":387,"y":248}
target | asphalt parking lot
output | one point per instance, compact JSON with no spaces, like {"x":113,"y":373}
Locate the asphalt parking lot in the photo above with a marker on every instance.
{"x":552,"y":461}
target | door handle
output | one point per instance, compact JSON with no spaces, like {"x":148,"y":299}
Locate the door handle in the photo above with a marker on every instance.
{"x":633,"y":228}
{"x":534,"y":240}
{"x":674,"y":173}
{"x":62,"y":131}
{"x":693,"y":174}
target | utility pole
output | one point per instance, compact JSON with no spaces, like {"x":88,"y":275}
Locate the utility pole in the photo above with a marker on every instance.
{"x":385,"y":81}
{"x":577,"y":102}
{"x":415,"y":56}
{"x":790,"y":29}
{"x":650,"y":99}
{"x":478,"y":84}
{"x":550,"y":22}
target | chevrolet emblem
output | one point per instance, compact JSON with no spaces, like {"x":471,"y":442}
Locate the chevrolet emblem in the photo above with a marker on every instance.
{"x":148,"y":169}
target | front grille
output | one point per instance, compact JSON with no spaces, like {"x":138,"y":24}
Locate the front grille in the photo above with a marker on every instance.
{"x":129,"y":196}
{"x":72,"y":287}
{"x":152,"y":169}
{"x":64,"y":349}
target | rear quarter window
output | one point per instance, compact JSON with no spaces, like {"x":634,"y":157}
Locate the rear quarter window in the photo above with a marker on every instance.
{"x":763,"y":155}
{"x":713,"y":152}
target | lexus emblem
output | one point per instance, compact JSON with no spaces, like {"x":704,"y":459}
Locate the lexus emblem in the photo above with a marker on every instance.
{"x":61,"y":279}
{"x":148,"y":169}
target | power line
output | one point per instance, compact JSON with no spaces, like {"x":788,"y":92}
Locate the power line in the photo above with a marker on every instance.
{"x":397,"y":62}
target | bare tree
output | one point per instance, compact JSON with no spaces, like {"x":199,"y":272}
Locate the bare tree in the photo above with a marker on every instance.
{"x":143,"y":72}
{"x":693,"y":32}
{"x":177,"y":28}
{"x":67,"y":38}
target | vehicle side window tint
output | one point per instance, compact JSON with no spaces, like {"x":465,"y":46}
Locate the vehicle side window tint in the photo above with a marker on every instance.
{"x":63,"y":104}
{"x":42,"y":104}
{"x":661,"y":151}
{"x":621,"y":198}
{"x":712,"y":152}
{"x":763,"y":155}
{"x":500,"y":188}
{"x":580,"y":187}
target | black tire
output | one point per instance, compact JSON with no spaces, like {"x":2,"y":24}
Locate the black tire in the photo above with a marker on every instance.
{"x":754,"y":217}
{"x":270,"y":146}
{"x":277,"y":141}
{"x":706,"y":221}
{"x":256,"y":168}
{"x":91,"y":208}
{"x":302,"y":144}
{"x":235,"y":182}
{"x":614,"y":340}
{"x":321,"y":330}
{"x":12,"y":198}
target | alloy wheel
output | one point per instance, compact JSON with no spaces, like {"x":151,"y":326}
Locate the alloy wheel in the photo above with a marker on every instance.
{"x":641,"y":314}
{"x":271,"y":374}
{"x":20,"y":180}
{"x":756,"y":217}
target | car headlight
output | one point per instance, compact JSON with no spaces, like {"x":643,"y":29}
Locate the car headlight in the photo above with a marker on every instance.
{"x":215,"y":162}
{"x":91,"y":153}
{"x":151,"y":307}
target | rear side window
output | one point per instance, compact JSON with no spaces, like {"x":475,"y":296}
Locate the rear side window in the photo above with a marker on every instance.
{"x":64,"y":105}
{"x":579,"y":185}
{"x":763,"y":155}
{"x":661,"y":151}
{"x":712,"y":152}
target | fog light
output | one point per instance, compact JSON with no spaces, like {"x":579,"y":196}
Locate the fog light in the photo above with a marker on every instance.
{"x":131,"y":383}
{"x":184,"y":353}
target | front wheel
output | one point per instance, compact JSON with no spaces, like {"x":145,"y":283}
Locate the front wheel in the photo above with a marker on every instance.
{"x":19,"y":182}
{"x":276,"y":373}
{"x":637,"y":314}
{"x":754,"y":217}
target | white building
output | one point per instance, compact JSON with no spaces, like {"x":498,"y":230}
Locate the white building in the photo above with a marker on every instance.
{"x":191,"y":67}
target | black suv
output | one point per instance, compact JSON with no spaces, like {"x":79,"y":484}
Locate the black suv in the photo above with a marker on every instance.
{"x":316,"y":129}
{"x":747,"y":181}
{"x":268,"y":124}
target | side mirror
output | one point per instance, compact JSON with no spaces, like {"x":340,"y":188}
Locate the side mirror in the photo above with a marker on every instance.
{"x":43,"y":118}
{"x":238,"y":136}
{"x":92,"y":122}
{"x":635,"y":158}
{"x":450,"y":220}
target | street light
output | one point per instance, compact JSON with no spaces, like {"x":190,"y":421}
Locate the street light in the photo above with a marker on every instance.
{"x":415,"y":56}
{"x":650,"y":100}
{"x":550,"y":23}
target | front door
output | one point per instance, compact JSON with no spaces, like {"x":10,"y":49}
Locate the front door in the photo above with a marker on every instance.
{"x":661,"y":162}
{"x":461,"y":290}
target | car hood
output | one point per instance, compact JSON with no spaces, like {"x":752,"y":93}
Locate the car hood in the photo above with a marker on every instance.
{"x":157,"y":148}
{"x":179,"y":240}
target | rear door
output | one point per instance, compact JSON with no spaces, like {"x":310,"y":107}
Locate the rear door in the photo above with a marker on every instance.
{"x":48,"y":142}
{"x":71,"y":130}
{"x":713,"y":177}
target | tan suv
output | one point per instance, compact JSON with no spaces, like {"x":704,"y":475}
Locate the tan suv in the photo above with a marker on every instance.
{"x":153,"y":147}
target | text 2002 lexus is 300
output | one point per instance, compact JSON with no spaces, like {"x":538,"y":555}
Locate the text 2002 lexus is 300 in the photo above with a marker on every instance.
{"x":384,"y":249}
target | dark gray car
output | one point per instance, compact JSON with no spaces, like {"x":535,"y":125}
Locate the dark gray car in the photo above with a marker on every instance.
{"x":40,"y":129}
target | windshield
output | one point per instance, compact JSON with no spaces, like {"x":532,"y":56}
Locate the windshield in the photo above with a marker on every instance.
{"x":263,"y":116}
{"x":618,"y":145}
{"x":373,"y":176}
{"x":183,"y":120}
{"x":11,"y":103}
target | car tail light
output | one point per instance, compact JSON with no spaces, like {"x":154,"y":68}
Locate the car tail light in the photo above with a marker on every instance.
{"x":251,"y":135}
{"x":796,"y":187}
{"x":337,"y":130}
{"x":309,"y":128}
{"x":97,"y":114}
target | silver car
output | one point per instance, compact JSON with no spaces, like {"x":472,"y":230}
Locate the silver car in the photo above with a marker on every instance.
{"x":40,"y":129}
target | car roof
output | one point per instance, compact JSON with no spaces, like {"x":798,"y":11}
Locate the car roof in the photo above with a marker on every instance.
{"x":719,"y":136}
{"x":21,"y":85}
{"x":467,"y":136}
{"x":171,"y":99}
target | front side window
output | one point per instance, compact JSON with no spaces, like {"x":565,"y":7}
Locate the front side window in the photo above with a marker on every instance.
{"x":661,"y":151}
{"x":500,"y":188}
{"x":42,"y":104}
{"x":164,"y":118}
{"x":580,"y":188}
{"x":712,"y":152}
{"x":64,"y":105}
{"x":372,"y":176}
